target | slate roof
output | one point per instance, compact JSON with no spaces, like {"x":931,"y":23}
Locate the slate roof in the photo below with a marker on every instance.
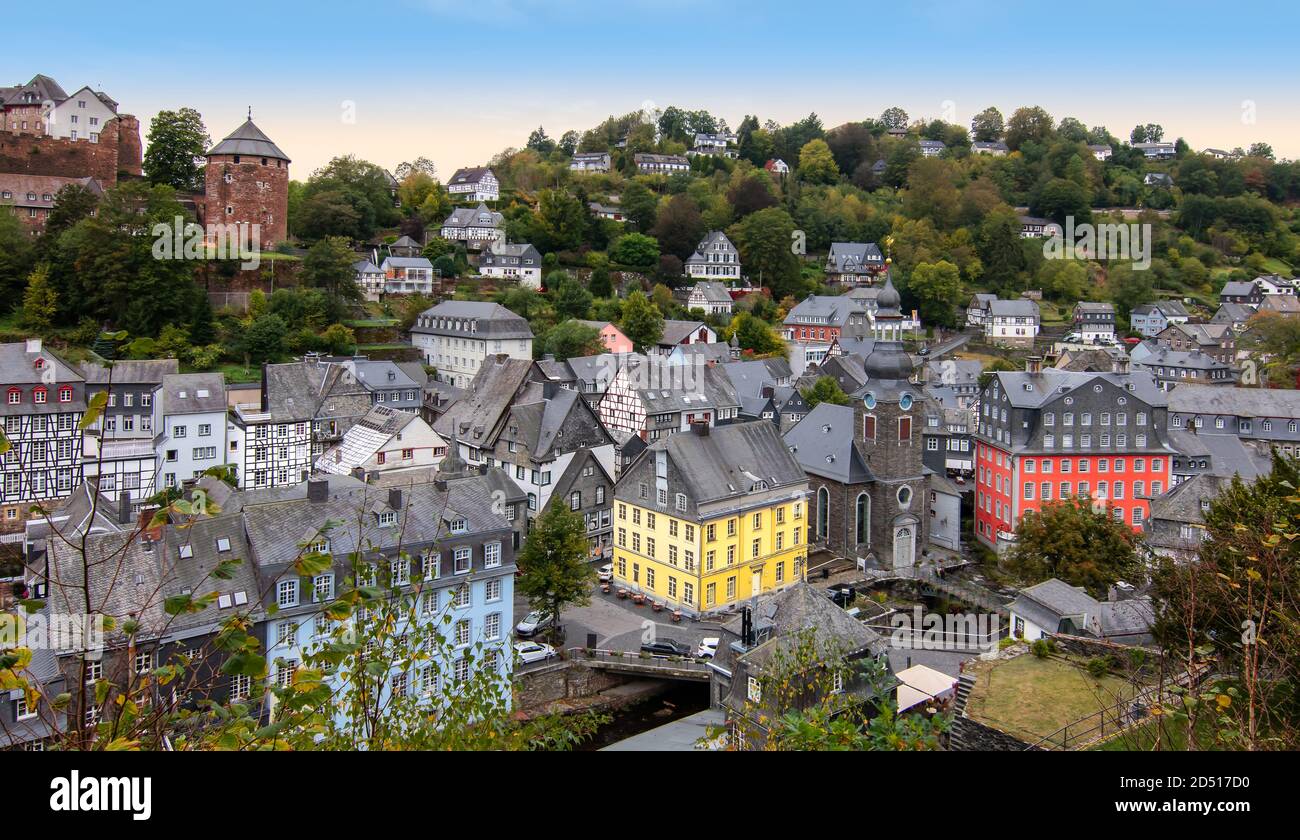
{"x":1242,"y":402}
{"x":492,"y":320}
{"x":1238,"y":287}
{"x":302,"y":391}
{"x":853,"y":256}
{"x":784,"y":618}
{"x":675,"y":332}
{"x":366,"y":437}
{"x":1019,"y":308}
{"x":276,"y":527}
{"x":129,"y":371}
{"x":379,"y":374}
{"x":1182,"y":502}
{"x":704,"y":387}
{"x":203,"y":393}
{"x":469,"y":175}
{"x":1189,"y":359}
{"x":600,"y":369}
{"x":21,"y":185}
{"x":249,"y":140}
{"x":538,"y":422}
{"x":506,"y":253}
{"x":713,"y":291}
{"x":727,"y":462}
{"x":822,"y":443}
{"x":490,"y":394}
{"x":1046,"y":603}
{"x":18,"y":367}
{"x":407,"y":262}
{"x":1052,"y":382}
{"x":481,"y":216}
{"x":749,"y":377}
{"x":41,"y":86}
{"x":1233,"y":313}
{"x":1227,"y":453}
{"x":834,"y":309}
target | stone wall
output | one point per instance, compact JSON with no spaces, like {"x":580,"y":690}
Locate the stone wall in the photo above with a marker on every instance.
{"x":968,"y":735}
{"x":118,"y":151}
{"x":562,"y":681}
{"x":244,"y":189}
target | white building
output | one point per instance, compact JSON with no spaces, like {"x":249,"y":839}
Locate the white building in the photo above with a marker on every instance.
{"x":384,"y":440}
{"x":520,"y":263}
{"x":457,"y":335}
{"x":474,"y":184}
{"x":711,"y":297}
{"x":370,"y":279}
{"x":81,"y":116}
{"x":190,"y":419}
{"x":476,"y":227}
{"x":590,"y":162}
{"x":1012,"y":323}
{"x":407,"y":276}
{"x":715,"y":258}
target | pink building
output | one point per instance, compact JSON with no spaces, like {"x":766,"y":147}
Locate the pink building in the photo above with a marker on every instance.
{"x":610,"y":336}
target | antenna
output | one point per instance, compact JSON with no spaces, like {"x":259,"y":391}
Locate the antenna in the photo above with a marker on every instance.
{"x":250,"y":112}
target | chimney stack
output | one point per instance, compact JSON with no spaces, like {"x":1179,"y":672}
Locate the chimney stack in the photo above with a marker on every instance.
{"x":1120,"y":365}
{"x":550,"y":389}
{"x":1034,"y":364}
{"x":318,"y":489}
{"x":124,"y":508}
{"x":358,"y":473}
{"x":395,"y":498}
{"x":700,"y":427}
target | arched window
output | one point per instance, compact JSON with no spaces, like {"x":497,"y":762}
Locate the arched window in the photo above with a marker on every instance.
{"x":863,"y":519}
{"x":823,"y":512}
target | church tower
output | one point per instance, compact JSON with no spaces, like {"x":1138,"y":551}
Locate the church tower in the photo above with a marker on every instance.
{"x":888,"y":412}
{"x":247,"y":182}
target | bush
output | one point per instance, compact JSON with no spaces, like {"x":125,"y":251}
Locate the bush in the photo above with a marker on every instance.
{"x":1098,"y":666}
{"x":1042,"y":648}
{"x":1003,"y":644}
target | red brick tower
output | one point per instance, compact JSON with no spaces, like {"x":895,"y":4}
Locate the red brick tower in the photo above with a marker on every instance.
{"x":247,"y":182}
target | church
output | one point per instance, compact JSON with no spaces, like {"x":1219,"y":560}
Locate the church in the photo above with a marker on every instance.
{"x":872,"y":499}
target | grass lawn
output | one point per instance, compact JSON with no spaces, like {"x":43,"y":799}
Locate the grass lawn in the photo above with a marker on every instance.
{"x":236,"y":372}
{"x":1032,"y":698}
{"x":1173,"y":737}
{"x":372,"y":322}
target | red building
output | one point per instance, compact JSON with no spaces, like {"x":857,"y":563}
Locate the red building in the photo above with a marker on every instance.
{"x":247,"y":183}
{"x":1048,"y":435}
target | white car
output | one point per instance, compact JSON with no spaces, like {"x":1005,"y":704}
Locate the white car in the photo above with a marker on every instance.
{"x":530,"y":652}
{"x":708,"y":647}
{"x":606,"y":573}
{"x":532,"y":624}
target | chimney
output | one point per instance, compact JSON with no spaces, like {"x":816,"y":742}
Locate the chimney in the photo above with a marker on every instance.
{"x":440,"y":485}
{"x":1034,"y":364}
{"x":746,"y":627}
{"x":700,"y":427}
{"x":1119,"y":365}
{"x":124,"y":508}
{"x":318,"y":489}
{"x":33,"y":345}
{"x":358,"y":473}
{"x":767,"y":392}
{"x":550,"y":389}
{"x":395,"y":498}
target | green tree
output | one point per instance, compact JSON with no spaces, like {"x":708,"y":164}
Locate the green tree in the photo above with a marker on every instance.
{"x":936,"y":288}
{"x":328,"y":267}
{"x":599,"y":283}
{"x":641,"y":322}
{"x":571,"y":299}
{"x":679,"y":226}
{"x":554,"y":572}
{"x":639,"y":205}
{"x":764,"y":240}
{"x":177,"y":143}
{"x":817,"y":164}
{"x":987,"y":125}
{"x":264,"y":340}
{"x":827,"y":390}
{"x":1028,"y":125}
{"x":634,"y":249}
{"x":16,"y":254}
{"x":755,"y":335}
{"x":40,"y":301}
{"x":1071,"y":541}
{"x":569,"y":339}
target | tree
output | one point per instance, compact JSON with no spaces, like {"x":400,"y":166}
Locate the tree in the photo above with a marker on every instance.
{"x":642,"y":321}
{"x":328,"y":267}
{"x":1233,"y":607}
{"x":571,"y":299}
{"x":936,"y":288}
{"x":755,"y":335}
{"x":569,"y":339}
{"x":599,"y":283}
{"x":1028,"y":125}
{"x":554,"y":572}
{"x":764,"y":240}
{"x":894,"y":117}
{"x":931,"y":193}
{"x":817,"y":164}
{"x":1276,"y":338}
{"x":1149,"y":133}
{"x":40,"y":301}
{"x":679,"y":227}
{"x":639,"y":205}
{"x":15,"y":259}
{"x":72,"y":203}
{"x":264,"y":340}
{"x":987,"y":125}
{"x":825,"y":390}
{"x":1071,"y":541}
{"x":177,"y":143}
{"x":1060,"y":199}
{"x":634,"y":249}
{"x":539,"y":142}
{"x":1000,"y":250}
{"x":561,"y":221}
{"x":346,"y":197}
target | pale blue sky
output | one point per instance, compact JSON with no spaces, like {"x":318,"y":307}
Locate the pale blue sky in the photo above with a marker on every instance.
{"x":458,"y":81}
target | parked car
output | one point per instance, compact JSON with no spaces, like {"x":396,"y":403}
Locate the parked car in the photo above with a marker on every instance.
{"x":708,"y":647}
{"x":666,"y":647}
{"x":530,"y":652}
{"x":842,"y":595}
{"x":532,"y":624}
{"x":606,"y":573}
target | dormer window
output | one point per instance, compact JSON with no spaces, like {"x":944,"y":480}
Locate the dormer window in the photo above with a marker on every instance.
{"x":387,"y":517}
{"x":459,"y":525}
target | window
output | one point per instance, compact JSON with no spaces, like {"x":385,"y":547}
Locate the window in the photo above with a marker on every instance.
{"x":460,"y":596}
{"x":462,"y":633}
{"x":754,"y":691}
{"x":492,"y":627}
{"x":492,"y":555}
{"x":322,"y":587}
{"x":492,"y":590}
{"x":143,"y":661}
{"x":462,"y":560}
{"x":286,"y":593}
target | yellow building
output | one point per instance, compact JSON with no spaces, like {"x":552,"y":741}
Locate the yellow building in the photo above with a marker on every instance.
{"x":711,"y":517}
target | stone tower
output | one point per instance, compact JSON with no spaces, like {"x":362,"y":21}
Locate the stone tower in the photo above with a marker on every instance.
{"x":247,"y":182}
{"x":888,"y":413}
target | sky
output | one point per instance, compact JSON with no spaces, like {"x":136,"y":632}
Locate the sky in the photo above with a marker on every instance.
{"x":459,"y":80}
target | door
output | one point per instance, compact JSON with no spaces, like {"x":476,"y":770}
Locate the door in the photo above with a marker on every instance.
{"x":756,"y":583}
{"x":904,"y":547}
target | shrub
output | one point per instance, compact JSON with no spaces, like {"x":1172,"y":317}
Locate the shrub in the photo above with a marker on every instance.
{"x":1042,"y":648}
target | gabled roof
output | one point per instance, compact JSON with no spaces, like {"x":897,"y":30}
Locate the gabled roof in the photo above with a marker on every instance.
{"x":712,"y":291}
{"x":1182,"y":502}
{"x":822,"y":443}
{"x":42,"y":89}
{"x":473,"y":419}
{"x":129,"y":371}
{"x":730,"y":460}
{"x":675,"y":332}
{"x":469,"y":175}
{"x":192,"y":393}
{"x":1235,"y":401}
{"x":249,"y":140}
{"x":1019,"y":308}
{"x":852,"y":256}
